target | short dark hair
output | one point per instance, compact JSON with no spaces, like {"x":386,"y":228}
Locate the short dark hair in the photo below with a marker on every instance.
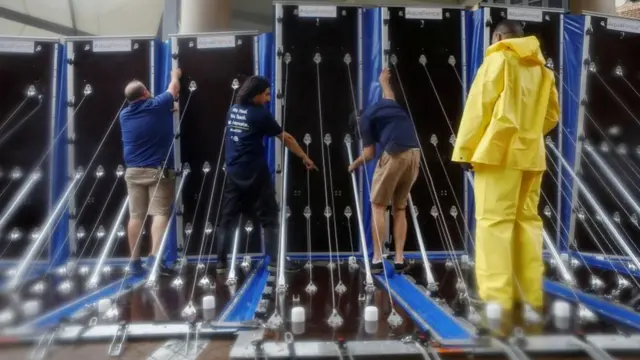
{"x":510,"y":29}
{"x":134,"y":90}
{"x":252,"y":87}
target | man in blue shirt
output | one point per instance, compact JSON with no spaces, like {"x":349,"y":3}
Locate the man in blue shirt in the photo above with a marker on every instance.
{"x":147,"y":136}
{"x":387,"y":123}
{"x":248,"y":187}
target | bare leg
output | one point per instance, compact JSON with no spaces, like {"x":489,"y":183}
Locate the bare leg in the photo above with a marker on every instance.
{"x":158,"y":226}
{"x":377,"y":230}
{"x":133,"y":231}
{"x":399,"y":233}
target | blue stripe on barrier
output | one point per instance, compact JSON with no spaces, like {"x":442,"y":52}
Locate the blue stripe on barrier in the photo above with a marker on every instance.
{"x":245,"y":307}
{"x":618,"y":265}
{"x":611,"y":311}
{"x":55,"y":316}
{"x":428,"y":312}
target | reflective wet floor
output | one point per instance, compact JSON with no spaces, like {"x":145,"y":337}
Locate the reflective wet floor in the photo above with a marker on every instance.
{"x":445,"y":275}
{"x":166,"y":302}
{"x":350,"y":306}
{"x":37,"y":296}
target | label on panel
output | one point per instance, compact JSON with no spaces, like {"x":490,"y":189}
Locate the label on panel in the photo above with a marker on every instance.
{"x":216,"y":42}
{"x":317,"y":11}
{"x":17,"y":46}
{"x":423,"y":13}
{"x":524,"y":15}
{"x":625,"y":25}
{"x":112,"y":45}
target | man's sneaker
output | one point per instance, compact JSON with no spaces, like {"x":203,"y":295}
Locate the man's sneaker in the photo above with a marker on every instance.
{"x":136,"y":267}
{"x":222,"y":267}
{"x":289,"y":266}
{"x":401,"y":267}
{"x":166,"y":271}
{"x":377,"y":268}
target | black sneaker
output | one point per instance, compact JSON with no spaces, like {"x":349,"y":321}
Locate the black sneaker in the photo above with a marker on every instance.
{"x":136,"y":268}
{"x":166,"y":271}
{"x":222,"y":267}
{"x":289,"y":266}
{"x":377,"y":268}
{"x":401,"y":267}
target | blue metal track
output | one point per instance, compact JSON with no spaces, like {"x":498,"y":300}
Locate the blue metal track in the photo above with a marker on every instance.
{"x":611,"y":311}
{"x":426,"y":313}
{"x":601,"y":262}
{"x":54,"y":317}
{"x":242,"y":308}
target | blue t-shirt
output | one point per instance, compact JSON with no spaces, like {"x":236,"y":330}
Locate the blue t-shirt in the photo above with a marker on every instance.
{"x":388,"y":124}
{"x":147,"y":132}
{"x":247,"y":125}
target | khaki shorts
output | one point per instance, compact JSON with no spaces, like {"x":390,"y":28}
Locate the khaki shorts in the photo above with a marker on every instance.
{"x":147,"y":196}
{"x":394,"y":177}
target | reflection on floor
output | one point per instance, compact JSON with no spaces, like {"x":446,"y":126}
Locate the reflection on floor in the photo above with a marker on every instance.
{"x":350,"y":306}
{"x":166,"y":302}
{"x":42,"y":294}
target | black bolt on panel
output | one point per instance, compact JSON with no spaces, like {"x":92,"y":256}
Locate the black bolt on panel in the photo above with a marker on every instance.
{"x":213,"y":70}
{"x":547,"y":28}
{"x":107,"y":73}
{"x":25,"y":140}
{"x":439,"y":41}
{"x":611,"y":124}
{"x":302,"y":39}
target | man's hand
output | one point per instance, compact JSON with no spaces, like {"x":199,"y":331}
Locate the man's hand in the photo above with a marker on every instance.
{"x":354,"y":166}
{"x":308,"y":163}
{"x":385,"y":76}
{"x":466,"y":166}
{"x":176,"y":73}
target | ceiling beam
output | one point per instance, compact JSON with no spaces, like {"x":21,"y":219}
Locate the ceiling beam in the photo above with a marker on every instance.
{"x":40,"y":23}
{"x":72,"y":13}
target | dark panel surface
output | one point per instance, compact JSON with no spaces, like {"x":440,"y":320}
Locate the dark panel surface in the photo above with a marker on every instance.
{"x":25,"y":140}
{"x":410,"y":39}
{"x":611,"y":125}
{"x":108,"y":73}
{"x":549,"y":33}
{"x":202,"y":128}
{"x":319,"y":109}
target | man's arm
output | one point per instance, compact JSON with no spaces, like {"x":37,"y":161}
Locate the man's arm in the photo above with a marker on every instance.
{"x":368,"y":154}
{"x":385,"y":84}
{"x":174,"y":85}
{"x":272,"y":128}
{"x":553,"y":109}
{"x":484,"y":92}
{"x":290,"y":142}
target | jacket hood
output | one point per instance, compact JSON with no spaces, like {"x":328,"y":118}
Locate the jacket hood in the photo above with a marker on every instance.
{"x":526,"y":48}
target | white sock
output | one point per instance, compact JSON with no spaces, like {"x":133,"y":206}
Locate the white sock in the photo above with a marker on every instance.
{"x":400,"y":262}
{"x":376,"y":261}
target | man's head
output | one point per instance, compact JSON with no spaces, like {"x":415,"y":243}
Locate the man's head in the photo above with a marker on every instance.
{"x":507,"y":29}
{"x":255,"y":90}
{"x":136,"y":90}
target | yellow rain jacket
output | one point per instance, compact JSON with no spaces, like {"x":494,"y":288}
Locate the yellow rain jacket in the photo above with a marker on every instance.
{"x":512,"y":104}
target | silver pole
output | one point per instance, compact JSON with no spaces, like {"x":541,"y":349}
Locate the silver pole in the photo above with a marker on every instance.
{"x":431,"y":282}
{"x":363,"y":241}
{"x":232,"y":279}
{"x":283,"y":223}
{"x":153,"y":276}
{"x":612,"y":177}
{"x":95,"y":277}
{"x":18,"y":199}
{"x":23,"y":267}
{"x":596,"y":206}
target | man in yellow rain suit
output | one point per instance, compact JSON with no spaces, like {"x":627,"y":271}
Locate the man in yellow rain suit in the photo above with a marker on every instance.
{"x":512,"y":105}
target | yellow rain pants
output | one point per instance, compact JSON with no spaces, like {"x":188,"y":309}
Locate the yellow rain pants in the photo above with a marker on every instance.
{"x":508,"y":236}
{"x":512,"y":104}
